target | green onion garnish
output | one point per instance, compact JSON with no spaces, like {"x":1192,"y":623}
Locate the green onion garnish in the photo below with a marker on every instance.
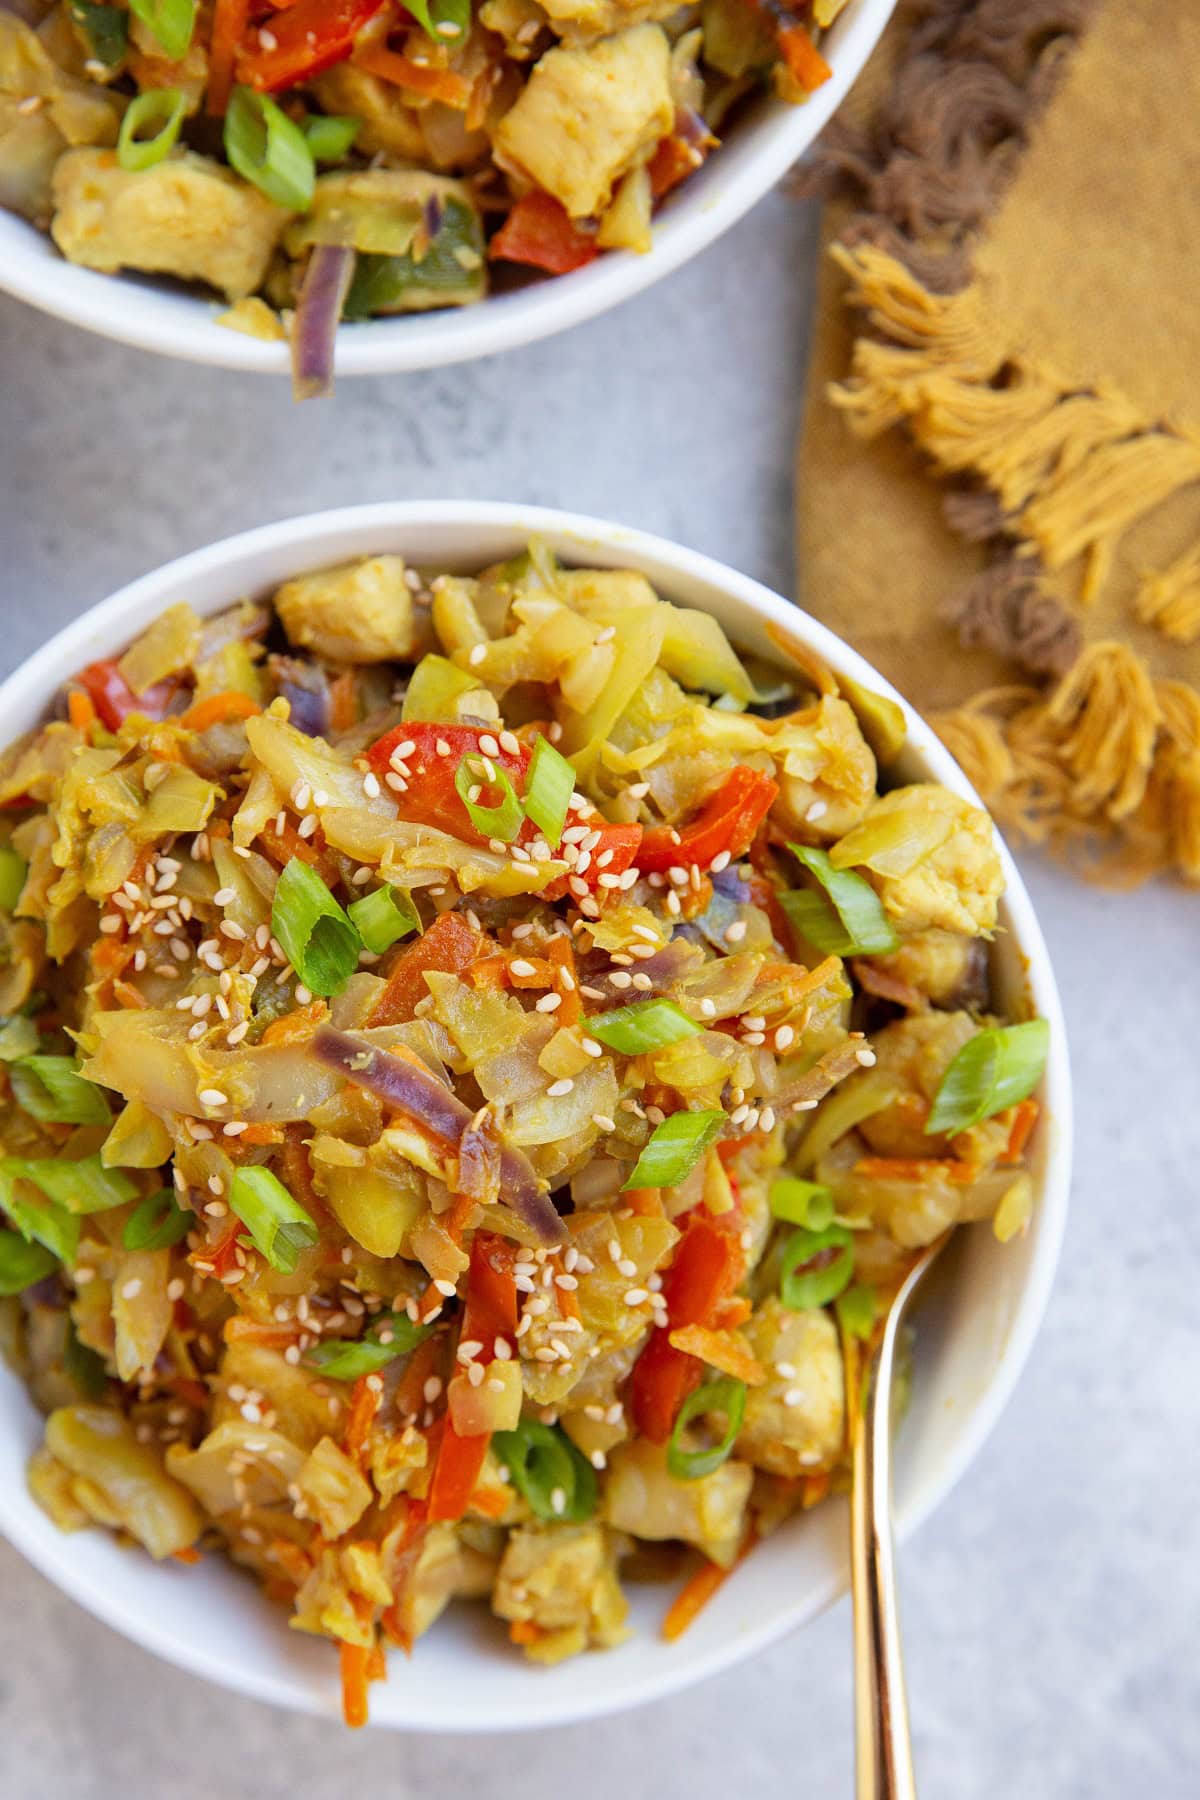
{"x":345,"y":1359}
{"x":675,"y":1148}
{"x":994,"y":1069}
{"x":13,"y":870}
{"x":82,"y":1365}
{"x":726,"y":1395}
{"x":171,"y":21}
{"x":801,"y":1202}
{"x":545,"y":1466}
{"x":330,"y":139}
{"x":445,"y":21}
{"x":317,"y":937}
{"x":106,"y":29}
{"x":646,"y":1025}
{"x":267,"y":149}
{"x":857,"y":1310}
{"x":38,"y":1220}
{"x":548,"y":789}
{"x":503,"y":821}
{"x":22,"y":1263}
{"x":18,"y":1038}
{"x":279,"y":1227}
{"x":150,"y":129}
{"x":157,"y":1222}
{"x":801,"y":1286}
{"x":847,"y":918}
{"x":51,"y":1088}
{"x":85,"y":1186}
{"x":382,"y":918}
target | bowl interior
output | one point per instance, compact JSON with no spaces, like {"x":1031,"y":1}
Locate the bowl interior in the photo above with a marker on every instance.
{"x":764,"y":140}
{"x":974,"y":1331}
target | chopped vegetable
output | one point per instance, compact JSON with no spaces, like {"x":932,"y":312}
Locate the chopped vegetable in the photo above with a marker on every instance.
{"x":548,"y":789}
{"x":646,"y":1025}
{"x":994,"y":1069}
{"x":817,"y":1266}
{"x":330,"y":139}
{"x":857,"y":1310}
{"x":14,"y":871}
{"x":846,"y":918}
{"x":85,"y":1186}
{"x":448,"y":947}
{"x":105,"y":30}
{"x":319,"y":307}
{"x":801,"y":1202}
{"x":157,"y":1222}
{"x":52,"y":1089}
{"x":476,"y":775}
{"x":305,"y":38}
{"x":171,"y":22}
{"x":279,"y":1227}
{"x":725,"y":825}
{"x":540,"y":232}
{"x":382,"y":918}
{"x":22,"y":1263}
{"x":268,"y":149}
{"x":345,"y":1359}
{"x":150,"y":128}
{"x":675,"y":1148}
{"x":318,"y":938}
{"x":548,"y":1471}
{"x":727,"y":1396}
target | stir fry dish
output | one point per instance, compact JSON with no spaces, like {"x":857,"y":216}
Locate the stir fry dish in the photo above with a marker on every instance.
{"x":477,"y":1056}
{"x":359,"y":158}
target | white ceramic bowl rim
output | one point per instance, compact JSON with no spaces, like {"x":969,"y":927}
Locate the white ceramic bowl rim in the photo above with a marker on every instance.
{"x":257,"y":559}
{"x":174,"y":322}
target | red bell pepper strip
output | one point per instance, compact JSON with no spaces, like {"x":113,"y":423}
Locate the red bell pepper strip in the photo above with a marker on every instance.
{"x":305,"y":39}
{"x":728,"y":821}
{"x":458,"y":1468}
{"x":707,"y":1267}
{"x":539,"y":231}
{"x":432,"y":798}
{"x":228,"y":29}
{"x":491,"y":1308}
{"x":114,"y":699}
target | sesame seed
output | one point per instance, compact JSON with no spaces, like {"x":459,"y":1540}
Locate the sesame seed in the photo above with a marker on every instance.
{"x":627,"y":1267}
{"x":558,"y":1088}
{"x":231,"y":929}
{"x":175,"y":1288}
{"x":636,"y":1296}
{"x":754,"y":1038}
{"x":303,"y":996}
{"x":224,"y":896}
{"x":489,"y":747}
{"x":865,"y":1058}
{"x":786,"y":1369}
{"x":520,"y":967}
{"x":549,"y":1003}
{"x":793,"y":1397}
{"x":603,"y":1122}
{"x":445,"y":1288}
{"x":753,"y":1021}
{"x":476,"y":655}
{"x":766,"y":1119}
{"x":816,"y":811}
{"x":785,"y":1037}
{"x":620,"y":979}
{"x":642,"y":982}
{"x":212,"y":1097}
{"x":736,"y":932}
{"x":131,"y":1289}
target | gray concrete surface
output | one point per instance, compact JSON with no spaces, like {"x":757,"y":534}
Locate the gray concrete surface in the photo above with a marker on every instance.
{"x":1051,"y":1606}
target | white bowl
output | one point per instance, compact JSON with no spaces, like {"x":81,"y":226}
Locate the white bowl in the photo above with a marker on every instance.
{"x":973,"y":1337}
{"x":762,"y":145}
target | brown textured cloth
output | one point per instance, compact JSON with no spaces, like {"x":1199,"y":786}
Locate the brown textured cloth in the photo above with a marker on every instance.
{"x":999,"y":475}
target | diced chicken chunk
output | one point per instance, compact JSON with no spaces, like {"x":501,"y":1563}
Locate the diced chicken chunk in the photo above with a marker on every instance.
{"x":826,"y":773}
{"x":943,"y":966}
{"x":358,"y":612}
{"x":561,"y":1579}
{"x":186,"y":216}
{"x":794,"y":1423}
{"x":641,"y":1496}
{"x":588,"y":115}
{"x":917,"y":1051}
{"x":933,"y":858}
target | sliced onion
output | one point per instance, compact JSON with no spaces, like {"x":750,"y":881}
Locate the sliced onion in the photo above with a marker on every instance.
{"x":825,"y":1074}
{"x":417,"y":1093}
{"x":318,"y":312}
{"x":305,"y":687}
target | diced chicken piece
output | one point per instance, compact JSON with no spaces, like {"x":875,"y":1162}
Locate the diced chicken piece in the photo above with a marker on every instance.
{"x":794,"y":1423}
{"x":187,"y":216}
{"x":447,"y":1569}
{"x":826,"y":774}
{"x":917,"y":1051}
{"x":933,"y":858}
{"x":357,"y":612}
{"x":561,"y":1579}
{"x":942,"y":966}
{"x":642,"y":1497}
{"x":575,"y":21}
{"x":587,"y":116}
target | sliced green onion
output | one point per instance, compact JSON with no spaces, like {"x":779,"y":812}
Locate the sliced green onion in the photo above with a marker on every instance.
{"x":85,"y":1186}
{"x":267,"y":149}
{"x":544,"y":1465}
{"x":434,"y":690}
{"x":857,"y":1310}
{"x":802,"y":1287}
{"x":381,"y":919}
{"x":106,"y":29}
{"x":675,"y":1148}
{"x":279,"y":1227}
{"x":847,"y":918}
{"x":503,"y":821}
{"x":548,"y":789}
{"x":993,"y":1070}
{"x":646,"y":1025}
{"x":317,"y":937}
{"x":800,"y":1202}
{"x":83,"y":1366}
{"x":18,"y":1038}
{"x":330,"y":139}
{"x":41,"y":1221}
{"x":13,"y":870}
{"x":445,"y":21}
{"x":728,"y":1396}
{"x":51,"y":1088}
{"x":171,"y":21}
{"x":22,"y":1263}
{"x":157,"y":1222}
{"x":150,"y":129}
{"x":345,"y":1359}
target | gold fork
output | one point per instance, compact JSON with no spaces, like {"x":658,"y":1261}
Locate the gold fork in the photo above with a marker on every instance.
{"x":883,"y":1750}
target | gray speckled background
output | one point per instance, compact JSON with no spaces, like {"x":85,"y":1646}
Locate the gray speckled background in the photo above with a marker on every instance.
{"x":1051,"y":1606}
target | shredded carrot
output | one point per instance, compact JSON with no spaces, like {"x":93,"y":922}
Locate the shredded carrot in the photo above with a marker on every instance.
{"x":723,"y":1349}
{"x":449,"y":946}
{"x":297,"y":1171}
{"x":354,"y":1659}
{"x":732,"y":1312}
{"x":126,"y":995}
{"x":188,"y":1556}
{"x":229,"y":23}
{"x":645,"y":1202}
{"x":364,"y":1404}
{"x":292,"y":1559}
{"x":1025,"y":1117}
{"x":216,"y":709}
{"x":491,"y":972}
{"x":560,"y":952}
{"x":376,"y":1664}
{"x":698,"y":1590}
{"x":802,"y":57}
{"x":343,"y":702}
{"x":540,"y":973}
{"x":281,"y":846}
{"x":525,"y":1631}
{"x":415,"y":78}
{"x":410,"y":1389}
{"x":80,"y":710}
{"x":242,"y":1330}
{"x":493,"y":1503}
{"x":916,"y":1168}
{"x":298,"y":1026}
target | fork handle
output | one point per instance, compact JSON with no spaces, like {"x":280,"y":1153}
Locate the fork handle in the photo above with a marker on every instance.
{"x":883,"y":1750}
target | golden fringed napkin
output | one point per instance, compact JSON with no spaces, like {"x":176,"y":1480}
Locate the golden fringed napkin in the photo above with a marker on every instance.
{"x":999,"y":476}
